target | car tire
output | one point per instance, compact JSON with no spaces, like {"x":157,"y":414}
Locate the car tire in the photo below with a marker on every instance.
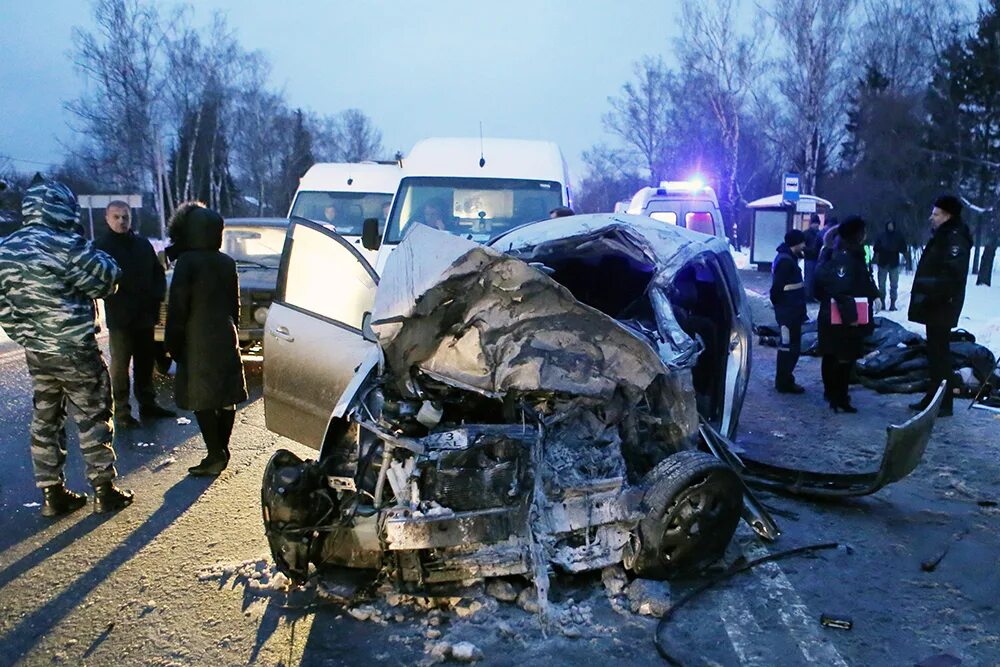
{"x":691,"y":505}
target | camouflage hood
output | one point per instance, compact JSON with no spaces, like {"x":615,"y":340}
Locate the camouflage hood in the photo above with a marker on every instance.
{"x":52,"y":204}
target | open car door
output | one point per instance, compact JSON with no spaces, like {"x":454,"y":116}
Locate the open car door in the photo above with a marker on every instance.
{"x":313,"y":340}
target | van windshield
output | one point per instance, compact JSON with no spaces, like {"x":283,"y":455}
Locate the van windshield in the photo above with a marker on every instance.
{"x":346,"y":211}
{"x":477,"y":208}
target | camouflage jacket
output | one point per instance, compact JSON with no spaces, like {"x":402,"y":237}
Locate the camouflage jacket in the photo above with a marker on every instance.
{"x":50,"y":275}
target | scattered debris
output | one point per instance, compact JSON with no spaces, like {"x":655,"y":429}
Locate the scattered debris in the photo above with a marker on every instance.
{"x":839,"y":622}
{"x":502,"y":590}
{"x":648,"y":597}
{"x":466,"y":652}
{"x":931,"y":564}
{"x":615,"y":580}
{"x":32,"y":504}
{"x":183,"y":421}
{"x":145,"y":444}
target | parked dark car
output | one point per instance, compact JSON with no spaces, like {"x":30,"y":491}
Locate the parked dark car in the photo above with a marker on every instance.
{"x":255,"y":244}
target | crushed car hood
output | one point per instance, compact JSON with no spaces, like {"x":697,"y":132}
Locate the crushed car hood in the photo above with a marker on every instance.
{"x":491,"y":323}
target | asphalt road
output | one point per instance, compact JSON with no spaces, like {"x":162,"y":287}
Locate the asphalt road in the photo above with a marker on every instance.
{"x":180,"y":578}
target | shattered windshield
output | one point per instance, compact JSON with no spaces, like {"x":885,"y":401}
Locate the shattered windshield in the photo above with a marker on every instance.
{"x":476,"y":208}
{"x":346,"y":211}
{"x":258,"y":246}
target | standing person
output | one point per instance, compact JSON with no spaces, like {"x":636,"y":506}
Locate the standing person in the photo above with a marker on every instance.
{"x":202,"y":313}
{"x":814,"y":243}
{"x":788,"y":296}
{"x":889,"y":246}
{"x":49,"y":277}
{"x":842,"y":279}
{"x":939,"y":292}
{"x":828,"y":360}
{"x":131,"y":314}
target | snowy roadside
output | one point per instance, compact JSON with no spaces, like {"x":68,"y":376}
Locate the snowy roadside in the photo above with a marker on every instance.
{"x":980,"y":316}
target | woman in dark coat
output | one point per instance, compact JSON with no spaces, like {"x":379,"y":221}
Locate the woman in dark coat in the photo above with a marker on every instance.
{"x":842,"y":278}
{"x":200,"y":333}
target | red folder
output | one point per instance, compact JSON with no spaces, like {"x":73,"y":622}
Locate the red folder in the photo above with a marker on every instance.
{"x":862,"y":305}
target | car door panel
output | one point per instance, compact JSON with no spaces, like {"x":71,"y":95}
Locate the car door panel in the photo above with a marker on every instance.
{"x":313,"y":342}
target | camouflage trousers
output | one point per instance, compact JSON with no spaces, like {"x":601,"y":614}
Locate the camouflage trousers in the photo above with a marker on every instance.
{"x":79,"y":379}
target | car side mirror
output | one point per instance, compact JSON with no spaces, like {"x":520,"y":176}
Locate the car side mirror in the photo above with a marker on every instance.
{"x":370,"y":237}
{"x":366,"y":328}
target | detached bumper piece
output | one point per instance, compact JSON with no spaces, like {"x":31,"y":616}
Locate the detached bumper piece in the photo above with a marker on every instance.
{"x":905,"y":446}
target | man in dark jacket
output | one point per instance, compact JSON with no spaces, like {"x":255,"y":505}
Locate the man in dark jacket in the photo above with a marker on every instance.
{"x":888,"y":248}
{"x":49,"y":277}
{"x":814,"y":243}
{"x":939,"y":292}
{"x":788,"y":297}
{"x":131,"y":314}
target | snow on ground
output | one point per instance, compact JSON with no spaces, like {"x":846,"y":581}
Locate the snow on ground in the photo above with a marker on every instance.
{"x":980,"y":315}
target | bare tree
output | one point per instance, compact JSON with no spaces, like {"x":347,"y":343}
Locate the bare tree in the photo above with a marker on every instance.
{"x":121,"y":62}
{"x":640,"y":115}
{"x":349,"y":136}
{"x":813,"y":79}
{"x":729,"y":65}
{"x":904,"y":54}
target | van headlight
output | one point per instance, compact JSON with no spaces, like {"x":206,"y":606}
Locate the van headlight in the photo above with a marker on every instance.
{"x":260,"y":315}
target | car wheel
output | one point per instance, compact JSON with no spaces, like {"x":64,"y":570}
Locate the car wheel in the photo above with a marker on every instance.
{"x":290,"y":508}
{"x":691,"y":505}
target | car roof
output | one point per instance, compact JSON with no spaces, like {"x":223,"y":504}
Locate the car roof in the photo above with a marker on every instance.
{"x":663,"y":240}
{"x":357,"y":177}
{"x":504,"y":158}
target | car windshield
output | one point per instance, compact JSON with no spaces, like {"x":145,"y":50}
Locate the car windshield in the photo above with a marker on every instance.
{"x":477,"y":208}
{"x":346,"y":211}
{"x":249,"y":244}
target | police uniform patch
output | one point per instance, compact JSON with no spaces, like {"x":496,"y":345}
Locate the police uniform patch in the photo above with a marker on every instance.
{"x":955,"y":250}
{"x":841,"y":272}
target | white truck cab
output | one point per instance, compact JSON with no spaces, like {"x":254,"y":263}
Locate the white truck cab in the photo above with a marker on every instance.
{"x":690,"y":204}
{"x":345,"y":194}
{"x":476,"y":188}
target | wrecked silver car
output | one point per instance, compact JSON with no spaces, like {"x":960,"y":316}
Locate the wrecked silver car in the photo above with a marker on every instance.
{"x":563,"y":396}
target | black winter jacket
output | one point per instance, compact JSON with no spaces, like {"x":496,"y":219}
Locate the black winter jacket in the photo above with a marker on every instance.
{"x":843,"y":278}
{"x":203,"y":309}
{"x":788,"y":295}
{"x":888,"y":247}
{"x":136,"y":304}
{"x":939,"y":282}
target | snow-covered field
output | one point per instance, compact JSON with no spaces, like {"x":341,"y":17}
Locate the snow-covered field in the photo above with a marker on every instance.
{"x":980,"y":315}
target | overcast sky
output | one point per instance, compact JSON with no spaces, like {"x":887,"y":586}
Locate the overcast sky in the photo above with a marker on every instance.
{"x":535,"y":70}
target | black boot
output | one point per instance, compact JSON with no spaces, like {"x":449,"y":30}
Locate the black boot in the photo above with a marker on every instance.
{"x":210,"y":466}
{"x":109,"y":498}
{"x":59,"y":500}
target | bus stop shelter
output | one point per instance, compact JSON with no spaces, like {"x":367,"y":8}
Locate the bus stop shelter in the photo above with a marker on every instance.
{"x":774,"y":216}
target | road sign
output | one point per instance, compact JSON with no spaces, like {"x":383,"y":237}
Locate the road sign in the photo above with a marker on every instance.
{"x":790,"y":189}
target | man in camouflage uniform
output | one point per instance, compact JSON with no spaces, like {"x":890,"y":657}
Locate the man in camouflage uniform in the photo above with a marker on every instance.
{"x":49,"y":277}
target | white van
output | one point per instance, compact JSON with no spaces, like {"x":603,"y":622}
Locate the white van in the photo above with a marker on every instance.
{"x":476,"y":188}
{"x":345,"y":194}
{"x":690,"y":204}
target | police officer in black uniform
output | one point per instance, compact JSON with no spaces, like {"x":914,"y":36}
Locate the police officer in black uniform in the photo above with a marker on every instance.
{"x":939,"y":292}
{"x":788,"y":296}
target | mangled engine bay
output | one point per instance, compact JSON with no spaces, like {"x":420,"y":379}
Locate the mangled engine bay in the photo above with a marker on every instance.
{"x":505,"y":424}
